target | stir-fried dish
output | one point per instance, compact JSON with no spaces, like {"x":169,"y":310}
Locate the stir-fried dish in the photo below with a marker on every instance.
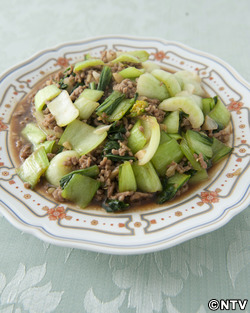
{"x":119,"y":130}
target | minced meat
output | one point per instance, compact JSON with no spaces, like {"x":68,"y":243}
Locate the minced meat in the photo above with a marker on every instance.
{"x":128,"y":87}
{"x":57,"y":195}
{"x":49,"y":121}
{"x":25,"y":152}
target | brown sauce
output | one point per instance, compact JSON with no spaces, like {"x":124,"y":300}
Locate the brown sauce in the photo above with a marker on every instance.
{"x":18,"y":122}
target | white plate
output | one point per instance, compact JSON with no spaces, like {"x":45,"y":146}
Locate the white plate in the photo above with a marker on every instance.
{"x":207,"y":208}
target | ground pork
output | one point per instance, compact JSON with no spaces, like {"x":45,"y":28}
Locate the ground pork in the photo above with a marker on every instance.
{"x":86,"y":161}
{"x":153,"y":101}
{"x":128,"y":123}
{"x":153,"y":110}
{"x":108,"y":56}
{"x":95,"y":120}
{"x":108,"y":182}
{"x":132,"y":196}
{"x":124,"y":149}
{"x":100,"y":195}
{"x":96,"y":154}
{"x":51,"y":156}
{"x":103,"y":118}
{"x":185,"y":124}
{"x":57,"y":195}
{"x":76,"y":93}
{"x":112,"y":188}
{"x":68,"y":78}
{"x":91,"y":76}
{"x":79,"y":76}
{"x":52,"y":138}
{"x":71,"y":162}
{"x":128,"y":87}
{"x":49,"y":82}
{"x":49,"y":121}
{"x":106,"y":167}
{"x":58,"y":76}
{"x":117,"y":67}
{"x":222,"y":135}
{"x":180,"y":168}
{"x":122,"y":195}
{"x":46,"y":111}
{"x":25,"y":152}
{"x":80,"y":163}
{"x":200,"y":159}
{"x":84,"y":77}
{"x":139,"y":196}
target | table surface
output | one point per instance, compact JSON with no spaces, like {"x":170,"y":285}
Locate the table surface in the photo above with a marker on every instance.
{"x":38,"y":277}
